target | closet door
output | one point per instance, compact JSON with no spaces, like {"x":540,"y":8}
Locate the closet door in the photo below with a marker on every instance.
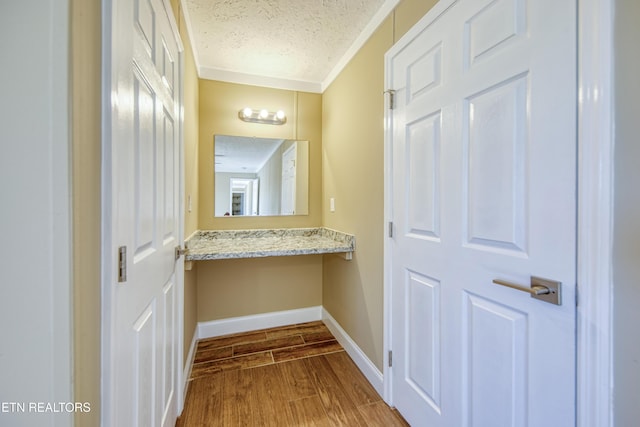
{"x":483,"y":180}
{"x":142,"y":298}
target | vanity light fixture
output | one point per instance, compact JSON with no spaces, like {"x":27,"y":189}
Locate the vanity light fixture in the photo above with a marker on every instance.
{"x":262,"y":116}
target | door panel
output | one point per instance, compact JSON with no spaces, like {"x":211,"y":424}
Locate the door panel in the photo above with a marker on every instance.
{"x":144,"y":369}
{"x":168,"y":372}
{"x":423,"y":174}
{"x":144,"y":180}
{"x":169,"y":157}
{"x":496,"y":386}
{"x":144,"y":23}
{"x":494,"y":145}
{"x":168,"y":66}
{"x":483,"y":184}
{"x":423,"y":337}
{"x":425,"y":73}
{"x":491,"y":28}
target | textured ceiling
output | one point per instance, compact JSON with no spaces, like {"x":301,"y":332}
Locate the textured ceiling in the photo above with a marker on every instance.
{"x":284,"y":40}
{"x":243,"y":154}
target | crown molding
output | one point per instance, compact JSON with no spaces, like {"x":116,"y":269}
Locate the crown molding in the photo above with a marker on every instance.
{"x":371,"y":27}
{"x":211,"y":73}
{"x":257,"y":80}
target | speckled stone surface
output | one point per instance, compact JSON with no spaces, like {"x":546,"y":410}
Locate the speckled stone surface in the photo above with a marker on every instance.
{"x":225,"y":244}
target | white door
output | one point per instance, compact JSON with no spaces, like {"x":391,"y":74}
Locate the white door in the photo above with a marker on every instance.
{"x":288,"y":195}
{"x":483,"y":187}
{"x":255,"y":192}
{"x":142,"y":309}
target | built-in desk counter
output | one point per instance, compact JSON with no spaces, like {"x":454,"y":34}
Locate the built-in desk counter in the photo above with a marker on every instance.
{"x":225,"y":244}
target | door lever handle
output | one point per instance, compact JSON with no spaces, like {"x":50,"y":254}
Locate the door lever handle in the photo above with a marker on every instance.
{"x":179,"y":251}
{"x":542,"y":289}
{"x":533,"y":290}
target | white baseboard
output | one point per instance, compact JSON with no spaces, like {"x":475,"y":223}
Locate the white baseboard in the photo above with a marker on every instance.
{"x":187,"y":368}
{"x":274,"y":319}
{"x":366,"y":366}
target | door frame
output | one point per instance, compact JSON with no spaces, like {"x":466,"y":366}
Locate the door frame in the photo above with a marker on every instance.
{"x":594,"y":217}
{"x":108,"y":255}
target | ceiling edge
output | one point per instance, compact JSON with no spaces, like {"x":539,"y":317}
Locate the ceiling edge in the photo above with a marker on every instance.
{"x":190,"y":34}
{"x":287,"y":84}
{"x":372,"y":26}
{"x":256,"y":80}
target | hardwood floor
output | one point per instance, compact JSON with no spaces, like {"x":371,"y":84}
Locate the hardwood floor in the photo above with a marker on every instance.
{"x":294,"y":375}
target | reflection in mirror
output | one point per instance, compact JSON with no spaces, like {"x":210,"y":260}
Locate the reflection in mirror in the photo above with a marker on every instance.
{"x":260,"y":176}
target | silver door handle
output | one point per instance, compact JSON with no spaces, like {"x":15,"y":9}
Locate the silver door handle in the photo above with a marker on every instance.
{"x":542,"y":289}
{"x":179,"y":251}
{"x":533,"y":290}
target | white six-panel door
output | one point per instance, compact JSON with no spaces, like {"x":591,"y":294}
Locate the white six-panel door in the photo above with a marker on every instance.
{"x":482,"y":182}
{"x":143,"y":308}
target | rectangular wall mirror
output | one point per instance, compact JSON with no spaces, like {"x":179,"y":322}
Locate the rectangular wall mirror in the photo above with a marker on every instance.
{"x":260,"y":176}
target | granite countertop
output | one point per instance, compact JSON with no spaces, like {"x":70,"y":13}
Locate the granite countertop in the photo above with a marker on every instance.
{"x":225,"y":244}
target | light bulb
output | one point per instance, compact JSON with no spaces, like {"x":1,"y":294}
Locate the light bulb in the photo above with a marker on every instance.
{"x":280,"y":114}
{"x":264,"y":114}
{"x":247,"y":112}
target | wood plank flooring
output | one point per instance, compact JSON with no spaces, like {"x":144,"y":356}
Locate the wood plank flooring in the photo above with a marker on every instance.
{"x":296,"y":375}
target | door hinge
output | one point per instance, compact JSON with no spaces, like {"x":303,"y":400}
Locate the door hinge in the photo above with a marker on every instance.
{"x":392,"y":98}
{"x":122,"y":264}
{"x":390,"y":358}
{"x":390,"y":231}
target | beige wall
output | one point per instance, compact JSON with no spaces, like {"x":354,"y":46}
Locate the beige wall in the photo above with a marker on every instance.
{"x":190,"y":302}
{"x":353,"y":174}
{"x":191,"y":139}
{"x":219,"y":106}
{"x":350,"y":169}
{"x":191,"y":131}
{"x":626,"y":239}
{"x":242,"y":287}
{"x":408,"y":13}
{"x":86,"y":148}
{"x":251,"y":286}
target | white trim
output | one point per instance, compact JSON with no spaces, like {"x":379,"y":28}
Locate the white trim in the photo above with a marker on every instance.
{"x":372,"y":26}
{"x":186,"y":372}
{"x":366,"y":366}
{"x":179,"y":266}
{"x":190,"y":356}
{"x":190,"y":33}
{"x":60,"y":191}
{"x":108,"y":261}
{"x":257,"y":80}
{"x":173,"y":24}
{"x":37,"y":303}
{"x":595,"y":195}
{"x":387,"y":333}
{"x":234,"y":325}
